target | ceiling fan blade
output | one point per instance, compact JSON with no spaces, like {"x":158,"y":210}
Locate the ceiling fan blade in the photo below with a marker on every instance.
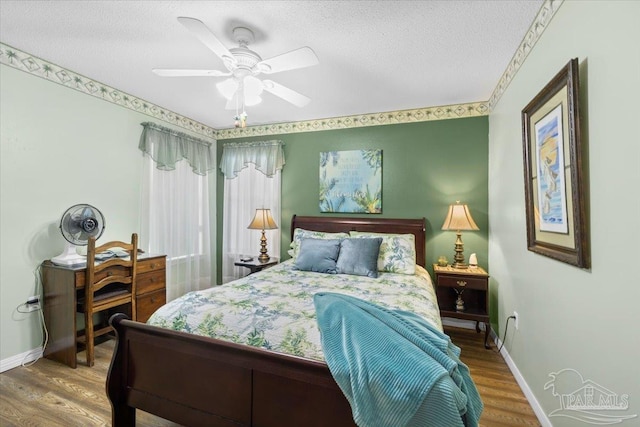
{"x":297,"y":99}
{"x":205,"y":35}
{"x":168,"y":72}
{"x":299,"y":58}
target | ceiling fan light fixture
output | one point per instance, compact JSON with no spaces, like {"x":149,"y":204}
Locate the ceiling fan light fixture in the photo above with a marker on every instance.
{"x":250,"y":101}
{"x":228,"y":87}
{"x":252,"y":86}
{"x":252,"y":89}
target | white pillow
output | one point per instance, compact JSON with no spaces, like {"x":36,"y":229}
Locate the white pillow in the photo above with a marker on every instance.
{"x":301,"y":233}
{"x":397,"y":251}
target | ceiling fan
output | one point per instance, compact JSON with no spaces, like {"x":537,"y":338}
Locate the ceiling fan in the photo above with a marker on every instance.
{"x":243,"y":87}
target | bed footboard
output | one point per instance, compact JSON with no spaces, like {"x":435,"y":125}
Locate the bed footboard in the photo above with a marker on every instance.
{"x":200,"y":381}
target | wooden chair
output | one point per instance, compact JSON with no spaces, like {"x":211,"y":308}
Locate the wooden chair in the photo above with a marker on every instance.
{"x":110,"y":283}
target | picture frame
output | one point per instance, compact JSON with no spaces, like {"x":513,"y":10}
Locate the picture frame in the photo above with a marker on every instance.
{"x":554,"y":187}
{"x":351,"y":181}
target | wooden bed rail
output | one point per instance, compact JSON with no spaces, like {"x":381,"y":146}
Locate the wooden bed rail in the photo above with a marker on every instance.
{"x":200,"y":381}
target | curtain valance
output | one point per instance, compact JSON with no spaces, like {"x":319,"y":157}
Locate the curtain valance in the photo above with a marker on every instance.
{"x":167,"y":146}
{"x":268,"y":156}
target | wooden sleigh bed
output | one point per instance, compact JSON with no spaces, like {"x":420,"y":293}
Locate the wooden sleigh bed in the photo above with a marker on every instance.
{"x":200,"y":381}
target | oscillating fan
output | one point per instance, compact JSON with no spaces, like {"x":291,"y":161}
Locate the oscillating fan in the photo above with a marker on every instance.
{"x":77,"y":224}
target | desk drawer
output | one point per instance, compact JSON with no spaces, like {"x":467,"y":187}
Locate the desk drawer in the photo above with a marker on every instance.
{"x":149,"y":282}
{"x":463,"y":282}
{"x":151,"y":264}
{"x":148,"y":303}
{"x":144,"y":266}
{"x":116,"y":270}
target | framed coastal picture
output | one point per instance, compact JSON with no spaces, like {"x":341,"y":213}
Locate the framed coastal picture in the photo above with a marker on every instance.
{"x":554,"y":193}
{"x":351,"y":181}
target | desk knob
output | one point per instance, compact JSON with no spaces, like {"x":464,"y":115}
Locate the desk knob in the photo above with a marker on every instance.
{"x":461,"y":283}
{"x":153,"y":266}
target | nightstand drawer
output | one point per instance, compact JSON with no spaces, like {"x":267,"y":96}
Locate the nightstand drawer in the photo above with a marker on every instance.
{"x":462,"y":282}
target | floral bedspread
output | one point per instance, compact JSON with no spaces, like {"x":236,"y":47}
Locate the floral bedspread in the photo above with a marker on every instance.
{"x":274,"y":308}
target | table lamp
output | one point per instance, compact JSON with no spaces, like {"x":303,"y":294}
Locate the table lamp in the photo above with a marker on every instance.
{"x":458,"y":219}
{"x":263,"y":221}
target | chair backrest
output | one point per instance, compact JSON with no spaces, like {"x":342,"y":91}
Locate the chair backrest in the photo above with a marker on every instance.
{"x":120,"y":270}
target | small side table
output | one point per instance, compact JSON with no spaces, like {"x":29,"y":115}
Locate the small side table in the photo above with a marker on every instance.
{"x":256,"y":265}
{"x":472,"y":286}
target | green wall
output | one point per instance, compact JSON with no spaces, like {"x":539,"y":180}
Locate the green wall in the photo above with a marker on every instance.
{"x":568,"y":317}
{"x":59,"y":147}
{"x":426,"y":166}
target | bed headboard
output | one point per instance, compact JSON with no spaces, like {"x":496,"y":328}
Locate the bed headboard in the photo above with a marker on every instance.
{"x":415,"y":226}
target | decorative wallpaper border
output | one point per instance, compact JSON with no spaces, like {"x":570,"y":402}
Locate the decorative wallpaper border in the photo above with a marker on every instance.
{"x":539,"y":24}
{"x":23,"y":61}
{"x":474,"y":109}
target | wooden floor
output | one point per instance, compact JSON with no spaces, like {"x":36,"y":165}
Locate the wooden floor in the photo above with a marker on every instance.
{"x":51,"y":394}
{"x":504,"y":402}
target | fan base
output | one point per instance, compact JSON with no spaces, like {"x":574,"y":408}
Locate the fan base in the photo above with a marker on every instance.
{"x":69,"y":257}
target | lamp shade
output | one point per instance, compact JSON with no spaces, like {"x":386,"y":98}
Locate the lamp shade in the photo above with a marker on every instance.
{"x":263,"y":220}
{"x":459,"y":218}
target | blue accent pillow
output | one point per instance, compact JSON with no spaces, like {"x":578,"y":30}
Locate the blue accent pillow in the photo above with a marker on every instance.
{"x":319,"y":255}
{"x":359,"y":257}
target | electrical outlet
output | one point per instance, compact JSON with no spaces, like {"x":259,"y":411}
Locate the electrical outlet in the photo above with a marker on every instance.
{"x":33,"y":303}
{"x":515,"y":319}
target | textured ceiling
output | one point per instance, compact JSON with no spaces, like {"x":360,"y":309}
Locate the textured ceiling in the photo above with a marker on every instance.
{"x":375,"y":56}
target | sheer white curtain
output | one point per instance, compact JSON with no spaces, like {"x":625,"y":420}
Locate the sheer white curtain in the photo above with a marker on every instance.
{"x":175,"y":206}
{"x":252,"y":181}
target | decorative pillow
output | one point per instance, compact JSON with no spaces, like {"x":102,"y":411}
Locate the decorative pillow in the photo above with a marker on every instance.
{"x":397,"y":251}
{"x":319,"y":255}
{"x":301,"y":233}
{"x":359,"y":257}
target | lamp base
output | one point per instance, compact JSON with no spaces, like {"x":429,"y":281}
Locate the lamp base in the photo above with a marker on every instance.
{"x":264,"y":257}
{"x":458,"y":258}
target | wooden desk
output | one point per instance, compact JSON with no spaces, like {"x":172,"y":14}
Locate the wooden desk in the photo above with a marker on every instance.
{"x":62,"y":284}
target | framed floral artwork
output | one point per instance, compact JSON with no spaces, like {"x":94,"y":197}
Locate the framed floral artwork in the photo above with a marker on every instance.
{"x":351,"y":181}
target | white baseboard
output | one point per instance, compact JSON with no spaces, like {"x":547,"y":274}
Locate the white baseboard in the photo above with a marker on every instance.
{"x":20,"y":359}
{"x":535,"y":405}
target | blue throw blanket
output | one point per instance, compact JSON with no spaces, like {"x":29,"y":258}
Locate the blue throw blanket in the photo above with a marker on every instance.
{"x":394,"y":367}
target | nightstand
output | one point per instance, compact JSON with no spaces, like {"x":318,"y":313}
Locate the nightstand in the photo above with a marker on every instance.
{"x":256,"y":265}
{"x":472,"y":287}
